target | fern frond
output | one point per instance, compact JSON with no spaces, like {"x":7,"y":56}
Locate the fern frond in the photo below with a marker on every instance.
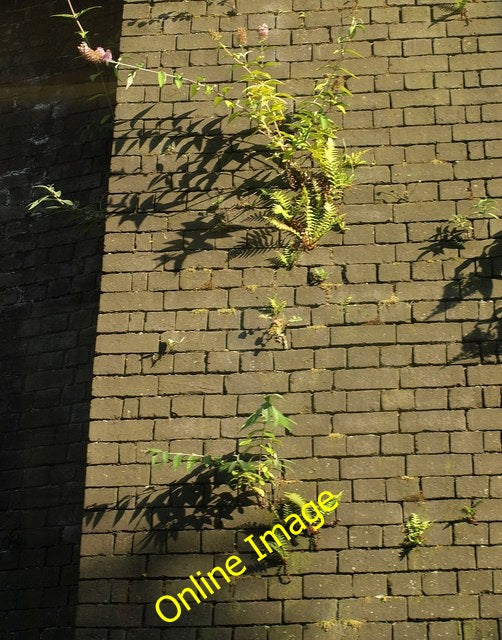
{"x":281,"y":203}
{"x":306,"y":212}
{"x":282,"y":226}
{"x":295,"y":500}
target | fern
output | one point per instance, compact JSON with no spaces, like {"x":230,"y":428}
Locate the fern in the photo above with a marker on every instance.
{"x":285,"y":258}
{"x":311,"y":209}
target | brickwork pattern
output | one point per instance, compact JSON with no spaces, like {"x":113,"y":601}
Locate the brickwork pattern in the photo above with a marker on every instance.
{"x":50,"y":288}
{"x":393,"y":375}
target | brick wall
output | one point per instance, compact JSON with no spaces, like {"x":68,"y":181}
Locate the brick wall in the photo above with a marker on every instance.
{"x":49,"y":278}
{"x":392,"y":376}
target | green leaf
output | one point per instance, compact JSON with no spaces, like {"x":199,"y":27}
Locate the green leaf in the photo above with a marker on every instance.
{"x":161,"y":78}
{"x":346,"y":72}
{"x":354,"y":53}
{"x":217,"y":100}
{"x":341,"y":108}
{"x":62,"y":15}
{"x":193,"y":90}
{"x":130,"y":79}
{"x":191,"y":462}
{"x":178,"y":80}
{"x":84,"y":11}
{"x":177,"y":460}
{"x":325,"y":121}
{"x":207,"y":461}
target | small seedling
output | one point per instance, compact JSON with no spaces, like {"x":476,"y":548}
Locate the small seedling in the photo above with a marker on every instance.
{"x":346,"y":301}
{"x":470,"y":512}
{"x":457,"y":230}
{"x":274,"y":308}
{"x":257,"y":467}
{"x":414,"y":530}
{"x":318,"y":276}
{"x":273,"y":312}
{"x":461,"y":7}
{"x":486,"y":207}
{"x":286,"y":258}
{"x":389,"y":301}
{"x":52,"y":201}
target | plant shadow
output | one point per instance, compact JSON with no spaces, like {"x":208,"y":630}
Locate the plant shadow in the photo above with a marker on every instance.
{"x":475,"y":278}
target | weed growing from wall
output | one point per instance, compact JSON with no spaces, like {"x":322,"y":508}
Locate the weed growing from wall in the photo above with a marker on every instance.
{"x":312,"y":173}
{"x":414,"y":531}
{"x":256,"y":467}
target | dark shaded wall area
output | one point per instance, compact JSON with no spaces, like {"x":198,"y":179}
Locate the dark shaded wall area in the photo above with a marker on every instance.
{"x":49,"y":279}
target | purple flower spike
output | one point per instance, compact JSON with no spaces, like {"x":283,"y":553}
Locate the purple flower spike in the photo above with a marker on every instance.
{"x":263,"y":31}
{"x":106,"y":56}
{"x":96,"y":56}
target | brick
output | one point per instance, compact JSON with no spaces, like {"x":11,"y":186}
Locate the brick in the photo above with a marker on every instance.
{"x":121,"y":430}
{"x":369,"y":490}
{"x":487,"y":463}
{"x":372,"y":609}
{"x":367,"y":379}
{"x":329,"y":401}
{"x":439,"y":465}
{"x":431,"y":399}
{"x":195,"y":300}
{"x":320,"y":562}
{"x":441,"y":607}
{"x":437,"y":376}
{"x":486,"y":629}
{"x":439,"y":630}
{"x":129,"y":343}
{"x":475,"y":581}
{"x":189,"y":362}
{"x":367,"y":513}
{"x":440,"y":583}
{"x":466,"y":443}
{"x":223,"y":362}
{"x":131,"y":301}
{"x":125,"y":386}
{"x":309,"y":610}
{"x":418,"y":421}
{"x":374,"y":560}
{"x":372,"y":467}
{"x":176,"y":384}
{"x":119,"y":476}
{"x":315,"y":379}
{"x":484,"y":418}
{"x":359,"y":401}
{"x":490,"y":605}
{"x":257,"y":382}
{"x":410,"y":630}
{"x":292,"y":360}
{"x":365,"y":536}
{"x":331,"y":586}
{"x":375,"y":422}
{"x":395,"y":443}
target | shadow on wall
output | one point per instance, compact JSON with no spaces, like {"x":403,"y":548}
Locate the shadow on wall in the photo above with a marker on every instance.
{"x":215,"y":174}
{"x":475,"y":278}
{"x":50,"y":275}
